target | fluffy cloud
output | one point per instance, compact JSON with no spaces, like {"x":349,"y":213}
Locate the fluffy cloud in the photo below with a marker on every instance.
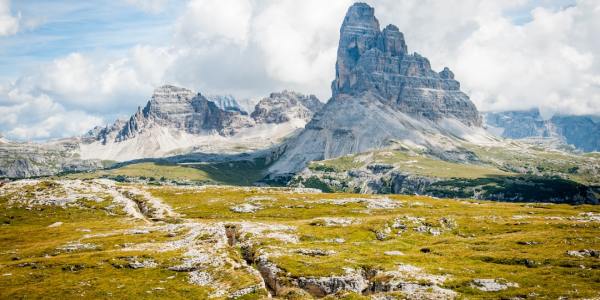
{"x":250,"y":48}
{"x":300,"y":41}
{"x":72,"y":94}
{"x":39,"y":117}
{"x":9,"y":24}
{"x":210,"y":22}
{"x":550,"y":62}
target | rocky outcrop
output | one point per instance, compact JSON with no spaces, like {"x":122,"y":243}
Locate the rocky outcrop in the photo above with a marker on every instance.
{"x":382,"y":95}
{"x":323,"y":286}
{"x":370,"y":59}
{"x":411,"y":281}
{"x":582,"y":132}
{"x":381,"y":179}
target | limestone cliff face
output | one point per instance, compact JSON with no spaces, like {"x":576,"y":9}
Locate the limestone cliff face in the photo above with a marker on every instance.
{"x":370,"y":59}
{"x":382,"y":96}
{"x":182,"y":110}
{"x":179,"y":108}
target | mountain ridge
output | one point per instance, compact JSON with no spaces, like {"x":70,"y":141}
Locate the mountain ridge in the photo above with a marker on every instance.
{"x":177,"y":120}
{"x":581,"y":132}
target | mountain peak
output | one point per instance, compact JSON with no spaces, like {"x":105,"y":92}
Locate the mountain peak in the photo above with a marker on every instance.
{"x":171,"y":92}
{"x":361,"y":14}
{"x":377,"y":61}
{"x":382,"y":95}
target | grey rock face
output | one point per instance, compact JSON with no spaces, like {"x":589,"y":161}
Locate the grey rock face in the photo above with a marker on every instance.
{"x":180,"y":108}
{"x":381,"y":94}
{"x":582,"y":132}
{"x":378,"y":61}
{"x":323,"y":286}
{"x":520,"y":124}
{"x":24,"y":160}
{"x":284,"y":106}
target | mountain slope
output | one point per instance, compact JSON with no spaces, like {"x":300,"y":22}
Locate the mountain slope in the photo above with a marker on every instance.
{"x":177,"y":121}
{"x":382,"y":95}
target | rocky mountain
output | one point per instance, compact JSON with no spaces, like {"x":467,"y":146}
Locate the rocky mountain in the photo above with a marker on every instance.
{"x":177,"y":120}
{"x":581,"y":132}
{"x":383,"y":95}
{"x":377,"y":61}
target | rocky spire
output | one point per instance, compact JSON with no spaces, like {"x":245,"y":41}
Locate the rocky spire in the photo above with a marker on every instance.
{"x":359,"y":33}
{"x":377,"y":61}
{"x":393,"y":41}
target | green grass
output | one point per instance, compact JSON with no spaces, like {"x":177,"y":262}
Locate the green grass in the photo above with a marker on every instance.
{"x":584,"y":169}
{"x":233,"y":173}
{"x":418,"y":164}
{"x":487,"y":242}
{"x":147,"y":170}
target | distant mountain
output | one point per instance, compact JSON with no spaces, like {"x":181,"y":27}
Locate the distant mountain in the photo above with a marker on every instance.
{"x":177,"y":121}
{"x":383,"y":95}
{"x":581,"y":132}
{"x":227,"y":103}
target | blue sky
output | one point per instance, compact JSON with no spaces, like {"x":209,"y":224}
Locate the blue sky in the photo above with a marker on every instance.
{"x":68,"y":65}
{"x":60,"y":27}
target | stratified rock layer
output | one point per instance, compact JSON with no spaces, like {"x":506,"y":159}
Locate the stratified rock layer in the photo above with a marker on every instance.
{"x":378,"y":61}
{"x":383,"y":96}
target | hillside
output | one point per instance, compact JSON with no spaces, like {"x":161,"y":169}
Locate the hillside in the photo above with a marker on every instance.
{"x":137,"y":241}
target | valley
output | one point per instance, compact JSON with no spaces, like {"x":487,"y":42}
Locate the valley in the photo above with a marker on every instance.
{"x":130,"y":241}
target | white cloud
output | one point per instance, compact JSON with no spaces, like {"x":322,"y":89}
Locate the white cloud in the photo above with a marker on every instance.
{"x":39,"y":117}
{"x":99,"y":84}
{"x":544,"y":63}
{"x":250,"y":48}
{"x":207,"y":22}
{"x":72,"y":94}
{"x":9,"y":24}
{"x":299,"y":42}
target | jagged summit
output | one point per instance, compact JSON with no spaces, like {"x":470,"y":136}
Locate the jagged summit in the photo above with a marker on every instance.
{"x":381,"y":96}
{"x":370,"y":59}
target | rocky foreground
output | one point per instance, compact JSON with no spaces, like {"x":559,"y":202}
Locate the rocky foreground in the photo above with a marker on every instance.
{"x":99,"y":239}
